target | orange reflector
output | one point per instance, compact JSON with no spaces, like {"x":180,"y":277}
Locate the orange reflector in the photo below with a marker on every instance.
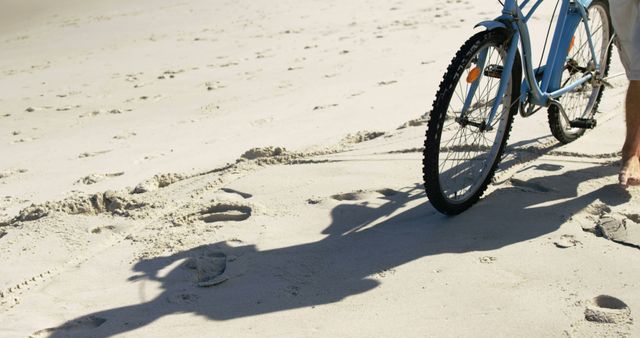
{"x":573,"y":41}
{"x":474,"y":74}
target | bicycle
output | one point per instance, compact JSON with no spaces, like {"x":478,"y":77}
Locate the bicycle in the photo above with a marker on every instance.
{"x":483,"y":89}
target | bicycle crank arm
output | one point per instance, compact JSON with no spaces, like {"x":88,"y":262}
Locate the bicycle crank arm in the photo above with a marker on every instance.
{"x":558,"y":105}
{"x":581,"y":123}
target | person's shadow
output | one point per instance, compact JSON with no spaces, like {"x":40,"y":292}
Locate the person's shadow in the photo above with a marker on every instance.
{"x":362,"y":241}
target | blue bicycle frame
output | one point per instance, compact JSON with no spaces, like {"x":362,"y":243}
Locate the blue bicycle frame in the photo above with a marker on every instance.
{"x":545,"y":91}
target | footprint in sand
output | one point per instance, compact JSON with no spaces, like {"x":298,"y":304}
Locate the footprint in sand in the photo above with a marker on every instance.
{"x":170,"y":74}
{"x":221,"y":211}
{"x":76,"y":327}
{"x":67,"y":108}
{"x":233,"y":191}
{"x":528,"y":186}
{"x":214,"y":85}
{"x":228,"y":64}
{"x":359,"y":195}
{"x":23,"y":140}
{"x":210,"y":108}
{"x":183,"y":298}
{"x":99,"y":230}
{"x":124,"y":136}
{"x":327,"y":106}
{"x":225,"y":212}
{"x":620,"y":228}
{"x":94,"y":113}
{"x":9,"y":173}
{"x":488,"y":259}
{"x":95,"y":178}
{"x":211,"y":266}
{"x":608,"y":310}
{"x":387,"y":83}
{"x":93,"y":154}
{"x":566,"y":241}
{"x":598,"y":209}
{"x":262,"y":122}
{"x":604,"y":316}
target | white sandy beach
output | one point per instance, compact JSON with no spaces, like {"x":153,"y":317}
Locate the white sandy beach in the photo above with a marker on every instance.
{"x":145,"y":143}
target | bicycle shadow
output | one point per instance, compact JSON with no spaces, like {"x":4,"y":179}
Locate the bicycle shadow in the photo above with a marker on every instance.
{"x":362,"y":240}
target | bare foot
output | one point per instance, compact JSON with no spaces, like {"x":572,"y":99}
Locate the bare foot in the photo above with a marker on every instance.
{"x":630,"y":172}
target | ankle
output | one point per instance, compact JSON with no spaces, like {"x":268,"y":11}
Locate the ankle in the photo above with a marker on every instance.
{"x":630,"y":150}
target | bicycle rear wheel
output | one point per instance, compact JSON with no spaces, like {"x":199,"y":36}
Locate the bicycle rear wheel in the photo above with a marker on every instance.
{"x":461,"y":152}
{"x":583,"y":102}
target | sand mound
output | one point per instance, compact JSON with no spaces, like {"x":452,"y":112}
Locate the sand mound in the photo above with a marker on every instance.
{"x":415,"y":122}
{"x":256,"y":153}
{"x":359,"y":195}
{"x":158,"y":181}
{"x":279,"y":155}
{"x":617,"y":227}
{"x":271,"y":155}
{"x":107,"y":202}
{"x":362,"y":136}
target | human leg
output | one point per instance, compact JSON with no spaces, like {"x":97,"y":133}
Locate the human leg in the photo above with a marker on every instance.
{"x":630,"y":171}
{"x":625,"y":15}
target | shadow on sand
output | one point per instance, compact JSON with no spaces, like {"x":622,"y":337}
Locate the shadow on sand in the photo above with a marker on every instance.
{"x":361,"y":241}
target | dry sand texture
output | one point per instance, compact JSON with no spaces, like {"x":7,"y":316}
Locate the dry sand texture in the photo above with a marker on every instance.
{"x":219,"y":168}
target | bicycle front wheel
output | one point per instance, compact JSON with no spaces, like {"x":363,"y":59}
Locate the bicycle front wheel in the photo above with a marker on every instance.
{"x":582,"y":103}
{"x":461,"y":151}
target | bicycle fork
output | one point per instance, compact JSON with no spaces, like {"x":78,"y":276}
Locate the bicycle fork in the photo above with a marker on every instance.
{"x":504,"y":74}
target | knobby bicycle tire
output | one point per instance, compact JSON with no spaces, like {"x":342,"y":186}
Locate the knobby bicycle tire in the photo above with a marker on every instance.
{"x":434,"y":177}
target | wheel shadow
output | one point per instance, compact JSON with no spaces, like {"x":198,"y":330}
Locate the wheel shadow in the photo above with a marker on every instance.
{"x":362,"y":240}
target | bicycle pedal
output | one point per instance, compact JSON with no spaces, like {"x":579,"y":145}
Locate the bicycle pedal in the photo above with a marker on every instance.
{"x":493,"y":71}
{"x":583,"y":123}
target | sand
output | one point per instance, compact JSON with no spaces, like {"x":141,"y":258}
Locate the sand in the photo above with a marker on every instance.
{"x":208,"y":168}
